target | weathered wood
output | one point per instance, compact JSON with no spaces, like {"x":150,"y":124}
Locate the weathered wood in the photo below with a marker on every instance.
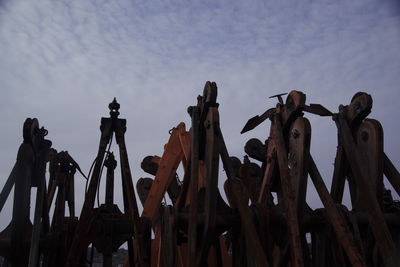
{"x":379,"y":228}
{"x":132,"y":209}
{"x":369,"y":140}
{"x":5,"y":192}
{"x":168,"y":238}
{"x":211,"y":160}
{"x":37,"y":223}
{"x":168,"y":165}
{"x":299,"y":147}
{"x":339,"y":225}
{"x":269,"y":171}
{"x":251,"y":175}
{"x":253,"y":245}
{"x":391,"y":173}
{"x":339,"y":175}
{"x":192,"y":229}
{"x":288,"y":194}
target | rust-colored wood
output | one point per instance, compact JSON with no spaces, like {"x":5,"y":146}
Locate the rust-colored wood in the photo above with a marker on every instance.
{"x":168,"y":248}
{"x":192,"y":229}
{"x":339,"y":175}
{"x":184,"y":138}
{"x":357,"y":161}
{"x":391,"y":173}
{"x":299,"y":147}
{"x":82,"y":240}
{"x":168,"y":165}
{"x":339,"y":225}
{"x":155,"y":247}
{"x":295,"y":103}
{"x":288,"y":194}
{"x":226,"y":260}
{"x":211,"y":161}
{"x":359,"y":108}
{"x":369,"y":140}
{"x":269,"y":170}
{"x":253,"y":245}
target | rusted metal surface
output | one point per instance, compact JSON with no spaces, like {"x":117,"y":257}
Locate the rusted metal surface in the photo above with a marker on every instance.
{"x":266,"y":220}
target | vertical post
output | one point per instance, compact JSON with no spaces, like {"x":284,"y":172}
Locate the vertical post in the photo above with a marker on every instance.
{"x":375,"y":216}
{"x":40,"y":199}
{"x":253,"y":245}
{"x":110,"y":163}
{"x":194,"y":171}
{"x":339,"y":225}
{"x":80,"y":241}
{"x":211,"y":160}
{"x":21,"y":206}
{"x":288,"y":193}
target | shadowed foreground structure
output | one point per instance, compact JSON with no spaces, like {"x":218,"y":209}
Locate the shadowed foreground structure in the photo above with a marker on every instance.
{"x":199,"y":228}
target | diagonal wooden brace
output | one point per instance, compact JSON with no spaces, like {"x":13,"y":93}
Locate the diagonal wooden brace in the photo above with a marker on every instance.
{"x":375,"y":216}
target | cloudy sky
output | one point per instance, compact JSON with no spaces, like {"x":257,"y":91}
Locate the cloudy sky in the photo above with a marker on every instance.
{"x":63,"y":62}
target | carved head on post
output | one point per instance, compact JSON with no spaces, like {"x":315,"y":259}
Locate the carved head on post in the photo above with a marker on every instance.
{"x":114,"y":107}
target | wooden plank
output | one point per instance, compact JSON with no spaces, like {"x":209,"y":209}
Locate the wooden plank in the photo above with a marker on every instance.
{"x":288,"y":194}
{"x":169,"y":234}
{"x":369,"y":140}
{"x":37,"y":224}
{"x":142,"y":225}
{"x":339,"y":175}
{"x":185,"y":139}
{"x":192,"y":228}
{"x":226,"y":260}
{"x":254,"y":248}
{"x":299,"y":148}
{"x":266,"y":183}
{"x":155,"y":247}
{"x":5,"y":192}
{"x":169,"y":162}
{"x":391,"y":173}
{"x":211,"y":161}
{"x":339,"y":225}
{"x":375,"y":216}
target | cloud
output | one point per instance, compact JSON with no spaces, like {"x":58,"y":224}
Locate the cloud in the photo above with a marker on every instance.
{"x":64,"y":61}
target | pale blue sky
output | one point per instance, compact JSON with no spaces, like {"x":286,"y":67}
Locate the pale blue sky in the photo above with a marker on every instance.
{"x":64,"y":61}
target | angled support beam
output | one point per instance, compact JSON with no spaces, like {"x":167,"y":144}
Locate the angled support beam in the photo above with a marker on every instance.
{"x":339,"y":225}
{"x":375,"y":216}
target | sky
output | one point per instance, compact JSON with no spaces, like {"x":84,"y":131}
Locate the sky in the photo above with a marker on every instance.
{"x":64,"y":61}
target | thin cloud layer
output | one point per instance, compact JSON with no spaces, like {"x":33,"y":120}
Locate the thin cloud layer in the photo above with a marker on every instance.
{"x":64,"y":61}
